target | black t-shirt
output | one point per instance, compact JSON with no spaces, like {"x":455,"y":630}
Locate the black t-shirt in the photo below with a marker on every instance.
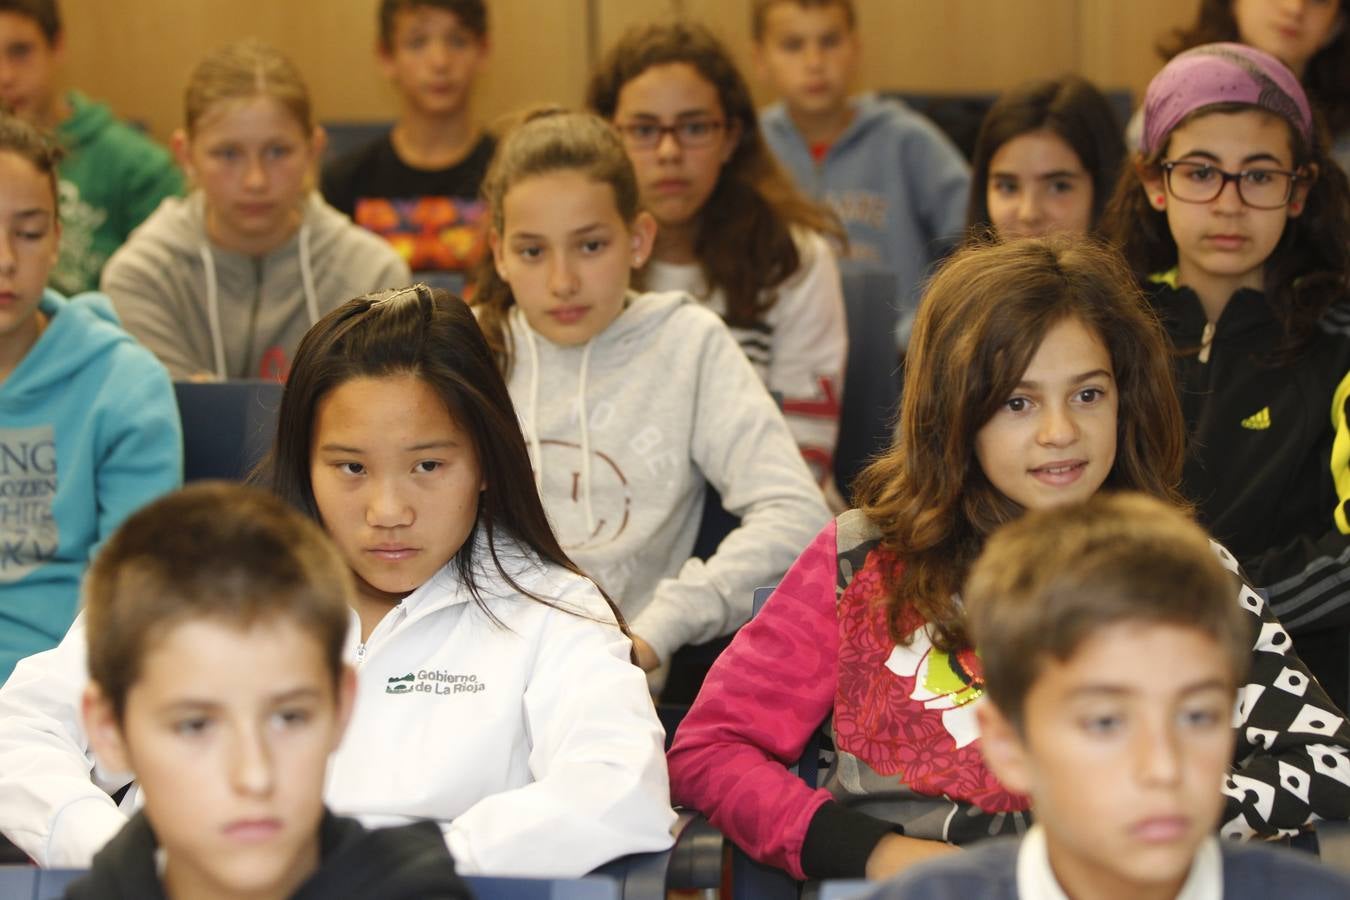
{"x":434,"y":218}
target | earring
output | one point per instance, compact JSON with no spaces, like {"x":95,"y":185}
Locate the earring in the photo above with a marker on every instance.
{"x":1160,"y":199}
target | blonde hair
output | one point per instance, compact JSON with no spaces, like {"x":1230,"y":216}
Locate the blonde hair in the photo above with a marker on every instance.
{"x":241,"y":71}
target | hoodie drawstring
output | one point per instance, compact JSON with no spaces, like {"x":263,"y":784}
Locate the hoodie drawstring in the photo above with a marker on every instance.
{"x":213,"y":311}
{"x":532,"y":416}
{"x":213,"y":298}
{"x":585,"y":439}
{"x":307,"y":277}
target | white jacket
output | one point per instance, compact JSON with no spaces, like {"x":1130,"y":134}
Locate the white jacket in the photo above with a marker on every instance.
{"x":534,"y":741}
{"x":799,"y":349}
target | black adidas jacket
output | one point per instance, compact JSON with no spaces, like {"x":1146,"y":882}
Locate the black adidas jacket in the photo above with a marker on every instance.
{"x":1259,"y":463}
{"x":408,"y":862}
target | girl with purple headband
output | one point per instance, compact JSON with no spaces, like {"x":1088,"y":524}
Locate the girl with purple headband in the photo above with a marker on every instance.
{"x":1250,"y":281}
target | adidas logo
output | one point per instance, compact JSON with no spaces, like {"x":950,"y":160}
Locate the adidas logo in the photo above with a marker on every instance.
{"x":1258,"y":421}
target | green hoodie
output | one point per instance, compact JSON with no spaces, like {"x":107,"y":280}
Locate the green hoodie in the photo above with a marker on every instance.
{"x":113,"y":176}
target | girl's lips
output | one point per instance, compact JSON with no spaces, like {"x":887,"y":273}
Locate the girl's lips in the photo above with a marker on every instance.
{"x":1226,"y":241}
{"x":569,"y":315}
{"x":1059,"y":474}
{"x":671,"y":186}
{"x":392,"y":553}
{"x":253,"y":831}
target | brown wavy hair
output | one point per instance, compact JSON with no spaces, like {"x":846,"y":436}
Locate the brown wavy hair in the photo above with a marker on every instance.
{"x":980,"y":322}
{"x":744,"y":242}
{"x":1327,"y":78}
{"x":1306,"y":273}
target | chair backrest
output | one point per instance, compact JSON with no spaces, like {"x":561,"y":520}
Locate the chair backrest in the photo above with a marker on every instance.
{"x":32,"y":883}
{"x":844,"y":889}
{"x":872,"y":376}
{"x":588,"y":888}
{"x":228,"y":426}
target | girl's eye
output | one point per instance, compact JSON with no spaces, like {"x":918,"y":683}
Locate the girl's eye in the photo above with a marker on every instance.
{"x":529,"y":252}
{"x":291,"y":718}
{"x":1202,"y":174}
{"x":1061,"y":187}
{"x":428,"y":465}
{"x":225,"y":154}
{"x":278,"y":151}
{"x":31,"y":235}
{"x":1005,"y":186}
{"x":1256,"y":177}
{"x":1103,"y":725}
{"x":592,"y":246}
{"x":351,"y":468}
{"x":192,"y":726}
{"x":1090,"y":395}
{"x":1018,"y":404}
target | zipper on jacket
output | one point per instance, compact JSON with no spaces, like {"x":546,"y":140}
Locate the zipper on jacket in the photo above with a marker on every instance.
{"x":391,"y":620}
{"x":1206,"y":342}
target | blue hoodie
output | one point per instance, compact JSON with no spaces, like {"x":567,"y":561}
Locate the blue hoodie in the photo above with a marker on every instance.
{"x":895,"y":180}
{"x":89,"y":431}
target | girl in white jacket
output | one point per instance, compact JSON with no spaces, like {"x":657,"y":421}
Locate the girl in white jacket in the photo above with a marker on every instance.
{"x":495,"y":689}
{"x":632,"y":403}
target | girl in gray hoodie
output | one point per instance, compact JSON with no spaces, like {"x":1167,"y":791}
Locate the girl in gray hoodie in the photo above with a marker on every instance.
{"x":223,"y":283}
{"x":632,"y":403}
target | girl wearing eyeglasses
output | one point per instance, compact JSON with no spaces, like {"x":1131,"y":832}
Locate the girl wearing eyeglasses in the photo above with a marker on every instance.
{"x":734,"y":232}
{"x":1238,"y":224}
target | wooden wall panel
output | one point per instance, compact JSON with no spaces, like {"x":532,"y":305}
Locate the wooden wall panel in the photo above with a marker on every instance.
{"x":136,"y":53}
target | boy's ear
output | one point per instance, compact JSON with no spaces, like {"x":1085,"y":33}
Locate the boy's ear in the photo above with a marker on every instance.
{"x":105,"y":734}
{"x":643,"y":238}
{"x":1299,"y":199}
{"x":1153,"y":184}
{"x":181,"y":147}
{"x":346,"y":700}
{"x":318,"y":143}
{"x":1004,"y":750}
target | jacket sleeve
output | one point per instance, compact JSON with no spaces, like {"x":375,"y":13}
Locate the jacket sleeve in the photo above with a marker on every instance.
{"x":742,"y":446}
{"x":600,"y":789}
{"x":763,"y":699}
{"x":147,"y":310}
{"x":939,"y":180}
{"x":54,"y":804}
{"x":1293,"y":745}
{"x":810,"y":348}
{"x":141,"y":440}
{"x":1307,"y":580}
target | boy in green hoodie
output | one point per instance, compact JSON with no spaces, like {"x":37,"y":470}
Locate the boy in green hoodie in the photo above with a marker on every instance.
{"x":112,"y":176}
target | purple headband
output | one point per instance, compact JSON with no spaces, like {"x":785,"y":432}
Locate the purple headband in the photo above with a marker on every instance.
{"x":1221,"y":73}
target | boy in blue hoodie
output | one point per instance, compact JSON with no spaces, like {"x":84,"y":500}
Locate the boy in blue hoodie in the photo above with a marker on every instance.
{"x":112,"y":175}
{"x":89,"y":428}
{"x":897,"y":183}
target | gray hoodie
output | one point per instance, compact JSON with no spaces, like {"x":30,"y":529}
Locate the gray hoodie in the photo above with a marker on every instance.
{"x":202,"y":309}
{"x":624,"y":433}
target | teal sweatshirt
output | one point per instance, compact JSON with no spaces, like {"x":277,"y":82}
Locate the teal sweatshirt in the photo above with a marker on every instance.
{"x":113,"y":176}
{"x":89,"y":432}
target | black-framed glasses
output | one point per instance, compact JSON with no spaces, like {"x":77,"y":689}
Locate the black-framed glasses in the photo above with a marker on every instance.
{"x":688,"y":133}
{"x":1200,"y":182}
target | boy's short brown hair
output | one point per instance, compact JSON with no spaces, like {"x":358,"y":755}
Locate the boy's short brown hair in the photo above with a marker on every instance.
{"x":1049,"y":580}
{"x":472,"y":14}
{"x":759,"y":12}
{"x":44,"y":12}
{"x":216,"y":551}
